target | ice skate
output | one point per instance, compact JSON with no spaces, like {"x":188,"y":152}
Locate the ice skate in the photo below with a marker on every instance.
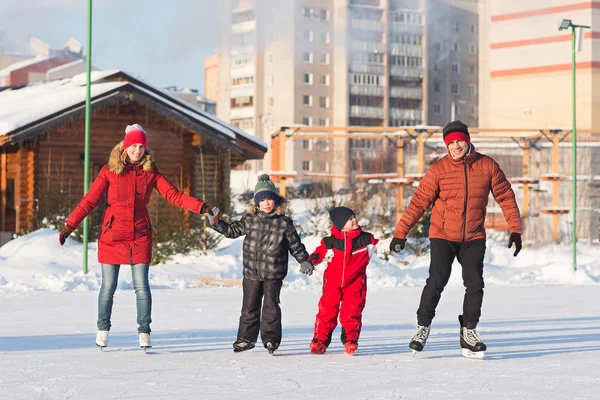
{"x":242,"y":345}
{"x":470,"y":341}
{"x":102,"y":339}
{"x":145,"y":342}
{"x":271,"y":347}
{"x":350,"y":346}
{"x":418,"y":340}
{"x":317,"y":346}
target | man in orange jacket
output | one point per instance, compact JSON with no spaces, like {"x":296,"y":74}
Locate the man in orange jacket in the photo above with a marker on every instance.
{"x":458,"y":185}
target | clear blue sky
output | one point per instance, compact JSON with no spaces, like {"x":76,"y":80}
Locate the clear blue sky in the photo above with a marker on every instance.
{"x":162,"y":41}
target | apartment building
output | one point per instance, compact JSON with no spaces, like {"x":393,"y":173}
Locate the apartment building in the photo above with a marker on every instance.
{"x":452,"y":31}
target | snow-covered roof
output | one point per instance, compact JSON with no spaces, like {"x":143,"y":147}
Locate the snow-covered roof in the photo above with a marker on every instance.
{"x":22,"y":64}
{"x":21,"y":108}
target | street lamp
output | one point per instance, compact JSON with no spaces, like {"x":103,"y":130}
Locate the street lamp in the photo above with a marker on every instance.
{"x":565,"y":24}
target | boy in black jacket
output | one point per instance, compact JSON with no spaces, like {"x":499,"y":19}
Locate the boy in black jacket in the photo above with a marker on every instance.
{"x":269,"y":236}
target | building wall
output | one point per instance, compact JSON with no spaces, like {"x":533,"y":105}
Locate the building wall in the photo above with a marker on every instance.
{"x":22,"y":76}
{"x":211,"y":77}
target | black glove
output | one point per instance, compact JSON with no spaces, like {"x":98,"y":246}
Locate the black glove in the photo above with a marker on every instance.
{"x":397,"y":245}
{"x":64,"y":234}
{"x":307,"y":268}
{"x":516,"y":239}
{"x":205,"y":208}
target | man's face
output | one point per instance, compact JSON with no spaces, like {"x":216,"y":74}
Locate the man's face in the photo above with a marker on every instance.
{"x":458,"y":149}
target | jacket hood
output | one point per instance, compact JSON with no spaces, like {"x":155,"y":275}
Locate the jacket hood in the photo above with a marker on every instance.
{"x":281,"y":209}
{"x":117,"y":160}
{"x":340,"y":235}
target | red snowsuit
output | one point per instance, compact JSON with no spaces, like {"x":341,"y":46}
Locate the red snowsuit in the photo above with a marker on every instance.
{"x":344,"y":283}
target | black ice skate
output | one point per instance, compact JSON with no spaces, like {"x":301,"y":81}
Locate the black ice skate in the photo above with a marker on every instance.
{"x":418,"y":340}
{"x":470,"y":341}
{"x":242,"y":345}
{"x":271,"y":347}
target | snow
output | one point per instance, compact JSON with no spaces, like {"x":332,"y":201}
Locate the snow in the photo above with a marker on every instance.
{"x":539,"y":320}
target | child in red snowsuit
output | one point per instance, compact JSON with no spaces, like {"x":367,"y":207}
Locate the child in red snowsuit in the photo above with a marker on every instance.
{"x":348,"y":252}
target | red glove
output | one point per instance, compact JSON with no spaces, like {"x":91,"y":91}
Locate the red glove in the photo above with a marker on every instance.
{"x":64,"y":234}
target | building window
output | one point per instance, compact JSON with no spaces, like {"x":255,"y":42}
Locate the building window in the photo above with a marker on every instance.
{"x":270,"y":80}
{"x":473,"y":90}
{"x":306,"y":144}
{"x":245,"y":101}
{"x":455,"y":27}
{"x":271,"y":101}
{"x":456,"y":47}
{"x":455,"y":90}
{"x":324,"y":101}
{"x":305,"y":165}
{"x":437,"y":87}
{"x":308,"y":79}
{"x":325,"y":37}
{"x":308,"y":57}
{"x":307,"y":12}
{"x":308,"y":35}
{"x":437,"y":109}
{"x":307,"y":100}
{"x":324,"y":80}
{"x":472,"y":48}
{"x":271,"y":58}
{"x":456,"y":67}
{"x":247,"y":80}
{"x":438,"y":67}
{"x":307,"y":121}
{"x":473,"y":111}
{"x":473,"y":29}
{"x":324,"y":58}
{"x":324,"y":122}
{"x":471,"y":69}
{"x":324,"y":14}
{"x":437,"y":46}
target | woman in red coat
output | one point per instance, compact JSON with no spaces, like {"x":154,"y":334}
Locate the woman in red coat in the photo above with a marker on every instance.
{"x":126,"y":234}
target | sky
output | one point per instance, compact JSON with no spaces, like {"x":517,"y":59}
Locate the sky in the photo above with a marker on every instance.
{"x":164,"y":42}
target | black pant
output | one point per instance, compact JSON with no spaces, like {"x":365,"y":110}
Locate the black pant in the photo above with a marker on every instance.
{"x":251,"y":321}
{"x":470,"y":256}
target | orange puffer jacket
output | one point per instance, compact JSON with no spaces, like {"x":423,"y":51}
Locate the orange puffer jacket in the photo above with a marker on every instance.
{"x":459,"y":191}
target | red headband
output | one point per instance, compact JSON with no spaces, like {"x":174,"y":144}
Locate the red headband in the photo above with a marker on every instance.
{"x":451,"y":137}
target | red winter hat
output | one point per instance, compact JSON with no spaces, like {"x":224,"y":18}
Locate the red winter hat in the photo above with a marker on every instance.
{"x":134,"y":134}
{"x":456,"y":130}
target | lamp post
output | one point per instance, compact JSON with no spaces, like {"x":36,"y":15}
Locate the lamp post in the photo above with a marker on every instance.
{"x":86,"y":165}
{"x":566,"y":24}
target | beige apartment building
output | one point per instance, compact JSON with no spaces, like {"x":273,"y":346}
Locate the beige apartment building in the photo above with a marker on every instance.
{"x":320,"y":63}
{"x":525,"y":81}
{"x":211,"y":78}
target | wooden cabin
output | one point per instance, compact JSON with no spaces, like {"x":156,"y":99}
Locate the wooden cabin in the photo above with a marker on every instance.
{"x":42,"y":134}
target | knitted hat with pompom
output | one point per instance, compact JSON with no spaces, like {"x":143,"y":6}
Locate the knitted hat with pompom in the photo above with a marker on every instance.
{"x":265,"y":189}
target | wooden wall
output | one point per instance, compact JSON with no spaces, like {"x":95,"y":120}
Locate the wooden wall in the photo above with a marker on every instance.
{"x":57,"y":158}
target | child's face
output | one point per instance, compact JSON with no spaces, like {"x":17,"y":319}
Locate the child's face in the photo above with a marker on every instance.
{"x":266,"y":205}
{"x":351,"y":224}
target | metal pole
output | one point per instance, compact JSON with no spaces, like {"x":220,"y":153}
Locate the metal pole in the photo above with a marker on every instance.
{"x":574,"y":151}
{"x":86,"y":158}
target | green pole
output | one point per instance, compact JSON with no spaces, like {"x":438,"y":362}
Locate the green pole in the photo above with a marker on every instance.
{"x":86,"y":158}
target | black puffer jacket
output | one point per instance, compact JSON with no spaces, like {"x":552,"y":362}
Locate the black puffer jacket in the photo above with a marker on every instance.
{"x":269,"y":237}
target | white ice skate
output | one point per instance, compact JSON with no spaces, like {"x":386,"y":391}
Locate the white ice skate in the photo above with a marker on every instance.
{"x":102,"y":339}
{"x":145,"y":342}
{"x":418,"y":340}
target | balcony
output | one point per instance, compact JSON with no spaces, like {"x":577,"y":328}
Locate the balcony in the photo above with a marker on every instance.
{"x":367,"y":90}
{"x":246,"y":26}
{"x":398,"y":49}
{"x":362,"y":45}
{"x":372,"y":69}
{"x":367,"y":112}
{"x":367,"y":25}
{"x":405,"y":28}
{"x":400,"y":113}
{"x":406,"y":93}
{"x":406,"y":72}
{"x":242,"y":113}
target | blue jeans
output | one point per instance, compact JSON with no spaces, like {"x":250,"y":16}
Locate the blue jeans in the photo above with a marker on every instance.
{"x":110,"y":277}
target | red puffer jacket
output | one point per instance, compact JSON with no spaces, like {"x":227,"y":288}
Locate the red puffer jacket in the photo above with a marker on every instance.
{"x":126,"y":233}
{"x":459,"y":191}
{"x":350,"y":255}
